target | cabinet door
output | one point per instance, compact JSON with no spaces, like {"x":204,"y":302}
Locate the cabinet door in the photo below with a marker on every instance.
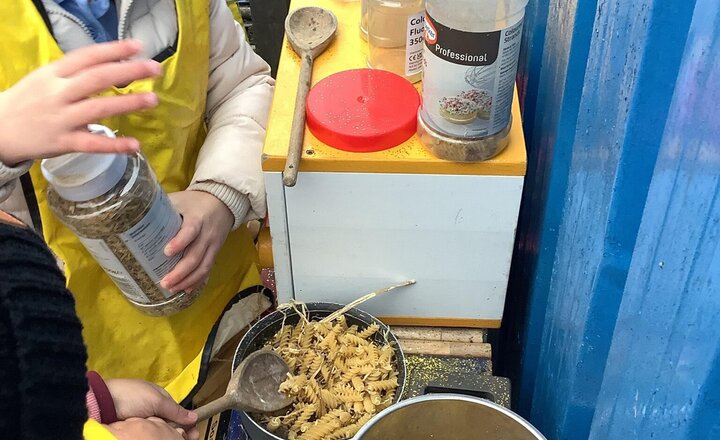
{"x":350,"y":234}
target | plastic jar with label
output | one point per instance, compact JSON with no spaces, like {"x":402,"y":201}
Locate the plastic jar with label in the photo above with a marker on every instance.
{"x":470,"y":61}
{"x":116,"y":207}
{"x":395,"y":36}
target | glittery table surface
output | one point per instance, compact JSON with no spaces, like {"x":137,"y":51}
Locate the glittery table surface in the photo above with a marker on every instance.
{"x":460,"y":375}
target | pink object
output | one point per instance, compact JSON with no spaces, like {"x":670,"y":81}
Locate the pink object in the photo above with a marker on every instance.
{"x":92,"y":406}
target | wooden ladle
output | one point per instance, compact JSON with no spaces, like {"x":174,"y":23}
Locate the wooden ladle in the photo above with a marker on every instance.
{"x":309,"y":31}
{"x":253,"y":387}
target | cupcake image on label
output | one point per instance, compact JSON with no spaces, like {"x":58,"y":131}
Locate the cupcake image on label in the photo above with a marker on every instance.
{"x":458,"y":110}
{"x":482,"y":100}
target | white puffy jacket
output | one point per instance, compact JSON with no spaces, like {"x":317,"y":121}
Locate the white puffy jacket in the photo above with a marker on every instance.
{"x":238,"y":102}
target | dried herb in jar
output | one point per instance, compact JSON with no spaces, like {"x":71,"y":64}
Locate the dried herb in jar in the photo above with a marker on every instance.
{"x":116,"y":207}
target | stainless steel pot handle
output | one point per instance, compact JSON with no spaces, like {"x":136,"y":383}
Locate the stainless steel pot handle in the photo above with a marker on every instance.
{"x":493,"y":388}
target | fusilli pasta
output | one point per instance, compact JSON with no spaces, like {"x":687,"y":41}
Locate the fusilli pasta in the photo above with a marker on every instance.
{"x":339,"y":379}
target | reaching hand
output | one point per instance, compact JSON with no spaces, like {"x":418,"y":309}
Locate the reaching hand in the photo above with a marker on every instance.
{"x":47,"y":112}
{"x":206,"y":225}
{"x":140,"y":399}
{"x":148,"y":429}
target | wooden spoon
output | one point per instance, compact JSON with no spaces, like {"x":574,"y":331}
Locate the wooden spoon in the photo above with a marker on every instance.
{"x":253,"y":387}
{"x":309,"y":31}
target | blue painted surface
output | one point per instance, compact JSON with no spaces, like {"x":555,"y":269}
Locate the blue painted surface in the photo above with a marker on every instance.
{"x":670,"y":313}
{"x":550,"y":120}
{"x":612,"y":328}
{"x":541,"y":99}
{"x":235,"y":428}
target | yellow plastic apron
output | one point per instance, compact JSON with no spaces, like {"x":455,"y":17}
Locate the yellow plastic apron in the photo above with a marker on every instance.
{"x":95,"y":431}
{"x":121,"y":341}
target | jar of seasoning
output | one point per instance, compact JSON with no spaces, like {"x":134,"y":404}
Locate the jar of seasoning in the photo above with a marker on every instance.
{"x":114,"y":204}
{"x":395,"y":36}
{"x":471,"y":55}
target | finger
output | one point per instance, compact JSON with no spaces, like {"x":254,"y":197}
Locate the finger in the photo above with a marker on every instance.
{"x":193,"y":434}
{"x":201,"y":272}
{"x":93,"y":110}
{"x":99,"y":78}
{"x":170,"y":411}
{"x":189,"y":231}
{"x":165,"y":431}
{"x":194,"y":255}
{"x":182,"y":433}
{"x":84,"y":142}
{"x":85,"y":57}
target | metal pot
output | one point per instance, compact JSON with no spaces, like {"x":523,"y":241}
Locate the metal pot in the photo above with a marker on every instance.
{"x":447,"y":417}
{"x":264,"y":330}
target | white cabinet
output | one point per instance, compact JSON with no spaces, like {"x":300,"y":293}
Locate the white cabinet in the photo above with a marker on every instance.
{"x":337,"y":236}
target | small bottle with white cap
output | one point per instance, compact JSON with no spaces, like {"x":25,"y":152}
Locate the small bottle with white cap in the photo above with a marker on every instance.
{"x":116,"y":207}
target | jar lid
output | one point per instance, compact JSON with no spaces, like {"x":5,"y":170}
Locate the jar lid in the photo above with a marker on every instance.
{"x":79,"y":177}
{"x":363,"y":110}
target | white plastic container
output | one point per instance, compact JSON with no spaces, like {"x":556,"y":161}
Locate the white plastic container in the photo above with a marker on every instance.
{"x":471,"y":56}
{"x":116,"y":207}
{"x":395,"y":36}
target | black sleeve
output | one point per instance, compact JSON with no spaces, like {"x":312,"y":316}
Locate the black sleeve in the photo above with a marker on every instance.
{"x":42,"y":355}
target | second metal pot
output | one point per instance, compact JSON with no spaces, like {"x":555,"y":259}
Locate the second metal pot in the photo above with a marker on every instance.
{"x":447,"y":417}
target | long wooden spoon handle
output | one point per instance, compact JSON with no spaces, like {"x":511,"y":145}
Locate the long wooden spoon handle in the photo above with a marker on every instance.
{"x":215,"y":407}
{"x":297,"y":132}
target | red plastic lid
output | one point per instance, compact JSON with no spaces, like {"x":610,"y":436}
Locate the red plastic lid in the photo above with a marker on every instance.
{"x":363,"y":110}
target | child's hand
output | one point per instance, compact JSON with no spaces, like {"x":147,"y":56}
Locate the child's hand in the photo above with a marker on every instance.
{"x":206,"y":224}
{"x":138,"y":398}
{"x":147,"y":429}
{"x":47,"y":112}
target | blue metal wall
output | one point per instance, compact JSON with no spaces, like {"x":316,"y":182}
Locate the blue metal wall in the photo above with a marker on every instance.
{"x":612,"y":329}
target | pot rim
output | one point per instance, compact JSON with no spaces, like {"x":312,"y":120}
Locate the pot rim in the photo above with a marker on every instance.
{"x":449,"y":396}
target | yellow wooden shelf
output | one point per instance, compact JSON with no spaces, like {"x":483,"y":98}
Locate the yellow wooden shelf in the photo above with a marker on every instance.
{"x":349,"y":51}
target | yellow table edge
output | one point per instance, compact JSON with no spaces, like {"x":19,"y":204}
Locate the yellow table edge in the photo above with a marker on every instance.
{"x":439,"y":322}
{"x":349,"y":51}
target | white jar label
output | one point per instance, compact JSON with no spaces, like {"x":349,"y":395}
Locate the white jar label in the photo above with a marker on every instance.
{"x":115,"y":270}
{"x":146,"y":242}
{"x":414,"y":44}
{"x":147,"y":239}
{"x":469,"y":79}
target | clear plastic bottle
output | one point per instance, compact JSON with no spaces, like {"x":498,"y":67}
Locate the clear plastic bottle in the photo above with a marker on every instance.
{"x":395,"y":36}
{"x":363,"y":19}
{"x":470,"y":60}
{"x":116,"y":207}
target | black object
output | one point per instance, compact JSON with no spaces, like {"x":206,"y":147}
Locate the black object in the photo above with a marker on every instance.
{"x":487,"y":395}
{"x":264,"y":330}
{"x":42,"y":355}
{"x":268,"y":27}
{"x":43,"y":13}
{"x":493,"y":388}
